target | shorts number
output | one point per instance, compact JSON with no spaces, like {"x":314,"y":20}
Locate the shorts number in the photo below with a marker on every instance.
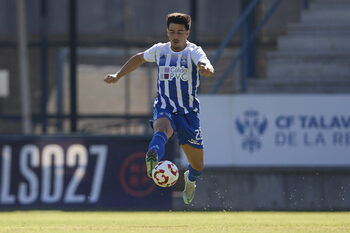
{"x":198,"y":134}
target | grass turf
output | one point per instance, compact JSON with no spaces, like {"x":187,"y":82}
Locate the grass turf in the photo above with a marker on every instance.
{"x":126,"y":222}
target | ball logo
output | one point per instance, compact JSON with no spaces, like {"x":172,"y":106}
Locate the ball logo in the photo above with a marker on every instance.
{"x":160,"y":174}
{"x":251,"y":128}
{"x":172,"y":169}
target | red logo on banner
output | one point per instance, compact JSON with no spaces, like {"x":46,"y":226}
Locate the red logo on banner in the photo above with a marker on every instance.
{"x":133,"y":176}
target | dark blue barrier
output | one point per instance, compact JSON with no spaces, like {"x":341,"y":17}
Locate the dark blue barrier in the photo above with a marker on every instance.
{"x":79,"y":173}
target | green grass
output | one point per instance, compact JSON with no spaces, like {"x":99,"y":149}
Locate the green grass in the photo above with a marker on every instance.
{"x":140,"y":222}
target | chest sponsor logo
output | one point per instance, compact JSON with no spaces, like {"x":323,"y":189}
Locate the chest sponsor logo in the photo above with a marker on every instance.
{"x":173,"y":72}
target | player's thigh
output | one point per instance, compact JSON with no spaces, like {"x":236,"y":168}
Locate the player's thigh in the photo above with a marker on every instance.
{"x":163,"y":124}
{"x":188,"y":130}
{"x":195,"y":156}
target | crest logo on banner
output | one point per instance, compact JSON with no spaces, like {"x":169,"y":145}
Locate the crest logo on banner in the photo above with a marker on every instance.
{"x":251,"y":128}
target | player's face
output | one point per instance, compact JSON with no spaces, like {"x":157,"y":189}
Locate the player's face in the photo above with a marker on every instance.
{"x":177,"y":35}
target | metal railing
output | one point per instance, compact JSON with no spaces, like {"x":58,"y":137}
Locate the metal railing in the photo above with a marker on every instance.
{"x":245,"y":46}
{"x":59,"y":119}
{"x":234,"y":30}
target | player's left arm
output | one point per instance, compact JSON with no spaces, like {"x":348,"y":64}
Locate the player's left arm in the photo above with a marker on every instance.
{"x":206,"y":69}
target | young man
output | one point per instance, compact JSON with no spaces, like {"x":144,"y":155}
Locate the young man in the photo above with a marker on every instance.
{"x":176,"y":107}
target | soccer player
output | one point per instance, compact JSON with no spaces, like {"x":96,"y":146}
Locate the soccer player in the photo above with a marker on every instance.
{"x":180,"y":65}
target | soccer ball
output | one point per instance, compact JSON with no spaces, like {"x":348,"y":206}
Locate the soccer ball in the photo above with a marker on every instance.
{"x":165,"y":174}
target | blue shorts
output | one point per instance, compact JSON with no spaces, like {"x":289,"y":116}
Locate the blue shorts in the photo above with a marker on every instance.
{"x":186,"y":126}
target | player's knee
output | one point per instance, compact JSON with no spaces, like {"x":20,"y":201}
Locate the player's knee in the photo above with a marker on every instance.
{"x":163,"y":126}
{"x":168,"y":131}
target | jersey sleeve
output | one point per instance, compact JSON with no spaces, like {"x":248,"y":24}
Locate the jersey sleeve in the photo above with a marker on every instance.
{"x":198,"y":55}
{"x":150,"y":54}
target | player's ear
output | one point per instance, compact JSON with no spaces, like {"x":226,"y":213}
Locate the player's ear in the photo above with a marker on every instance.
{"x":188,"y":33}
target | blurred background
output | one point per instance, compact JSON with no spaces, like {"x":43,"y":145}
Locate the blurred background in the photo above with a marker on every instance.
{"x":274,"y":116}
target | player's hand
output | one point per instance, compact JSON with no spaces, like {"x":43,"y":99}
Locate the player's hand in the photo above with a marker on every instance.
{"x":205,"y":71}
{"x":111,"y":78}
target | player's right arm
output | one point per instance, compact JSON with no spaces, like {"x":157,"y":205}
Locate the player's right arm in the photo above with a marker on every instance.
{"x":131,"y":65}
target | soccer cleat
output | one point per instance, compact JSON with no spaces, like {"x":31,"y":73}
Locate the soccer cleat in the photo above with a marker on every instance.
{"x":151,"y":161}
{"x":190,"y":188}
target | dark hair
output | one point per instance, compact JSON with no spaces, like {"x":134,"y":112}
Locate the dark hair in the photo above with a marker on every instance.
{"x":179,"y":18}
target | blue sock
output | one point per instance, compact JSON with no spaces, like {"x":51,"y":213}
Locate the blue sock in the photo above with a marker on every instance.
{"x":158,"y":142}
{"x":193,"y":174}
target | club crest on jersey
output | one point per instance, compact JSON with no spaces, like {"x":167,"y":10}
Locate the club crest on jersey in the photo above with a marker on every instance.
{"x":184,"y":60}
{"x":171,"y":72}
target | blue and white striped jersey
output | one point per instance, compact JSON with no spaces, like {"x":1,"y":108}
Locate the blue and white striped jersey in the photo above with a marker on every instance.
{"x":178,"y":76}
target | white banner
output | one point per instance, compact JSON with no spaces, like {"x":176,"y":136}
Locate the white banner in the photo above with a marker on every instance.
{"x":276,"y":130}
